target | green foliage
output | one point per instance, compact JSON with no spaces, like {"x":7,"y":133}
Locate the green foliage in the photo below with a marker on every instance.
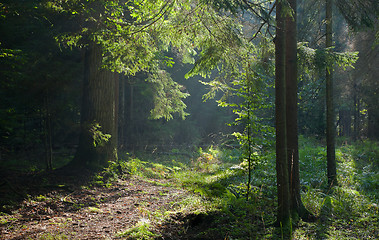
{"x":222,"y":50}
{"x":343,"y":209}
{"x":243,"y":82}
{"x":320,"y":59}
{"x":257,"y":132}
{"x":141,"y":231}
{"x":230,"y":5}
{"x":135,"y":36}
{"x":344,"y":212}
{"x":312,"y":64}
{"x":99,"y":138}
{"x":167,"y":96}
{"x":359,"y":14}
{"x":361,"y":167}
{"x":312,"y":163}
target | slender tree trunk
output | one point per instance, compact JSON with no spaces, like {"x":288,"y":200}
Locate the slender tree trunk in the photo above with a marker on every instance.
{"x":99,"y":107}
{"x":122,"y":107}
{"x":48,"y":134}
{"x":356,"y":114}
{"x":297,"y":207}
{"x":345,"y":122}
{"x":330,"y":116}
{"x":132,"y":142}
{"x":373,"y":122}
{"x":283,"y":214}
{"x":116,"y":96}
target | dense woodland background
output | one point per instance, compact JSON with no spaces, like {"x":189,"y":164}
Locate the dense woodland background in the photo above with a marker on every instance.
{"x":87,"y":84}
{"x":42,"y":82}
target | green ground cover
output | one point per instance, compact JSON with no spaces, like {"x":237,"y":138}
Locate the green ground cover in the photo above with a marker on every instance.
{"x":217,"y":207}
{"x":218,"y":180}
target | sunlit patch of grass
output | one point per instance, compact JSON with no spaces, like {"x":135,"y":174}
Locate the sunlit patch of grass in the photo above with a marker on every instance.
{"x":217,"y":178}
{"x":197,"y":204}
{"x":349,"y":210}
{"x":142,"y":230}
{"x":221,"y":192}
{"x":360,"y":167}
{"x":313,"y":199}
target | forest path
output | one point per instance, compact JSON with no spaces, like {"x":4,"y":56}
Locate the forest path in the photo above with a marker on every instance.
{"x":91,"y":213}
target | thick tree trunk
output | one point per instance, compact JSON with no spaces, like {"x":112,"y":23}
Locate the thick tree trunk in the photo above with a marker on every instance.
{"x":330,"y":116}
{"x":99,"y":108}
{"x":283,"y":214}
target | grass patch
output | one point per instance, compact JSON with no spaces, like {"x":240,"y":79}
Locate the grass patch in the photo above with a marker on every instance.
{"x":142,"y":230}
{"x":218,"y":208}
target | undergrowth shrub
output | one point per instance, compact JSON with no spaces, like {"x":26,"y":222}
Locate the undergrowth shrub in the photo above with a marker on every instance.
{"x":208,"y":161}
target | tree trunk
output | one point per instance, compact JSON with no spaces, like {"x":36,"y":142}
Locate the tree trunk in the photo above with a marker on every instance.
{"x":283,"y":215}
{"x":297,"y":207}
{"x":345,"y":122}
{"x":48,"y":134}
{"x":131,"y":127}
{"x":330,"y":116}
{"x":356,"y":114}
{"x":99,"y":108}
{"x":373,"y":123}
{"x":122,"y":119}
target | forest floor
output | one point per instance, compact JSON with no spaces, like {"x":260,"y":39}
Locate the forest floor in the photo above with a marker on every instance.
{"x":62,"y":209}
{"x":175,"y":196}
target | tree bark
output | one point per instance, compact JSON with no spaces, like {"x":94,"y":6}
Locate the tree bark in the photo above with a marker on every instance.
{"x":48,"y":134}
{"x":297,"y":206}
{"x":283,"y":214}
{"x":122,"y":114}
{"x":99,"y":106}
{"x":356,"y":113}
{"x":345,"y":122}
{"x":330,"y":116}
{"x":373,"y":123}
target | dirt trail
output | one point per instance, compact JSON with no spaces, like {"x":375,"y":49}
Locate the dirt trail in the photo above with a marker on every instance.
{"x":96,"y":213}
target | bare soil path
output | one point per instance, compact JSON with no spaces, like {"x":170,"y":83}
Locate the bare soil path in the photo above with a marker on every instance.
{"x":90,"y":213}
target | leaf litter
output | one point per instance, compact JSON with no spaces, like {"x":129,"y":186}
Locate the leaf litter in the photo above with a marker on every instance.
{"x":78,"y":212}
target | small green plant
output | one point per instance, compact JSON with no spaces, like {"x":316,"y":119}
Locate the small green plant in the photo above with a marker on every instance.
{"x":3,"y":220}
{"x":42,"y":198}
{"x":94,"y":210}
{"x":207,"y":161}
{"x":99,"y":138}
{"x":141,"y":231}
